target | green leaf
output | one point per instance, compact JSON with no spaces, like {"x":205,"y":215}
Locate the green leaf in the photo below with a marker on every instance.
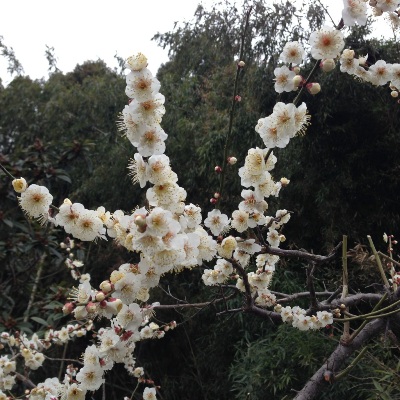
{"x":40,"y":320}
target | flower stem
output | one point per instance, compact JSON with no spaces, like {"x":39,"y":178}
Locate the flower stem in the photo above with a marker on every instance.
{"x":6,"y":172}
{"x":232,"y":112}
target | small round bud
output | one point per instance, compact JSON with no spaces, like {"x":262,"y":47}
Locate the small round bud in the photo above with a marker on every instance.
{"x":362,"y":61}
{"x":238,"y":98}
{"x":285,"y":181}
{"x":282,"y":238}
{"x":100,"y":296}
{"x":298,"y":80}
{"x":103,"y":304}
{"x":140,"y":221}
{"x":91,"y":307}
{"x":217,"y":195}
{"x":342,"y":306}
{"x":328,"y":64}
{"x":63,"y":245}
{"x":136,"y":62}
{"x":232,"y":160}
{"x":67,"y":201}
{"x":278,"y":308}
{"x":218,"y":169}
{"x":68,"y":308}
{"x":213,"y":200}
{"x":348,"y":54}
{"x":19,"y":185}
{"x":241,"y":64}
{"x":313,"y":88}
{"x":71,"y":256}
{"x":105,"y":286}
{"x":394,"y":94}
{"x":296,"y":70}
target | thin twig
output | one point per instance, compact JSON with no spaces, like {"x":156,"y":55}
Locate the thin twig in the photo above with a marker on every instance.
{"x":378,"y":261}
{"x":232,"y":112}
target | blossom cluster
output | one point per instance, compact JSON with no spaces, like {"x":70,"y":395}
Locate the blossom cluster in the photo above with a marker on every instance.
{"x":298,"y":318}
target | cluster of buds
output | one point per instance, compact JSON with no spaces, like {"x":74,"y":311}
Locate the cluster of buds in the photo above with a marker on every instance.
{"x":215,"y":198}
{"x":312,"y":87}
{"x":394,"y":92}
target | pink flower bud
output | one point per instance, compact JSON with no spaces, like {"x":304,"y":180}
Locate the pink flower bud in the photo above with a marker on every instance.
{"x":313,"y":88}
{"x":218,"y":169}
{"x":213,"y":200}
{"x":232,"y":160}
{"x":68,"y":308}
{"x":238,"y":98}
{"x":296,"y":70}
{"x":91,"y":307}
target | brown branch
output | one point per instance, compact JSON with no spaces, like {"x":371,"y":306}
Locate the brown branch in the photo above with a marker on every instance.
{"x":24,"y":379}
{"x":341,"y":354}
{"x":303,"y":254}
{"x":311,"y":288}
{"x":286,"y":298}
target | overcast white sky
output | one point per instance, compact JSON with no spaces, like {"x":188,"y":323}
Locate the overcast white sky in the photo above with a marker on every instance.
{"x":81,"y":30}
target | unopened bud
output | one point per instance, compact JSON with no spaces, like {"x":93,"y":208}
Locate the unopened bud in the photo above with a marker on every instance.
{"x":297,"y":80}
{"x":140,"y":221}
{"x":282,"y":238}
{"x":19,"y":185}
{"x":296,"y":70}
{"x":328,"y":65}
{"x":285,"y":181}
{"x":213,"y":200}
{"x":67,"y":201}
{"x":313,"y":88}
{"x":238,"y":98}
{"x":91,"y":307}
{"x":241,"y":64}
{"x":100,"y":296}
{"x":217,"y":195}
{"x":348,"y":54}
{"x":394,"y":94}
{"x":232,"y":160}
{"x":68,"y":308}
{"x":105,"y":286}
{"x":218,"y":169}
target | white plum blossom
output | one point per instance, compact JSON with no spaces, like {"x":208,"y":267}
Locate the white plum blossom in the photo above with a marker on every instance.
{"x":293,"y":53}
{"x":149,"y":394}
{"x":326,"y":43}
{"x":387,"y":5}
{"x":381,"y":72}
{"x":151,"y":140}
{"x":354,"y":11}
{"x":284,"y":79}
{"x":136,"y":62}
{"x":216,"y":222}
{"x":141,"y":85}
{"x":35,"y":201}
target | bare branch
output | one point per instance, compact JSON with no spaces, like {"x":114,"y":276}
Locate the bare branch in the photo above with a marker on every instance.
{"x":303,"y":254}
{"x":317,"y":382}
